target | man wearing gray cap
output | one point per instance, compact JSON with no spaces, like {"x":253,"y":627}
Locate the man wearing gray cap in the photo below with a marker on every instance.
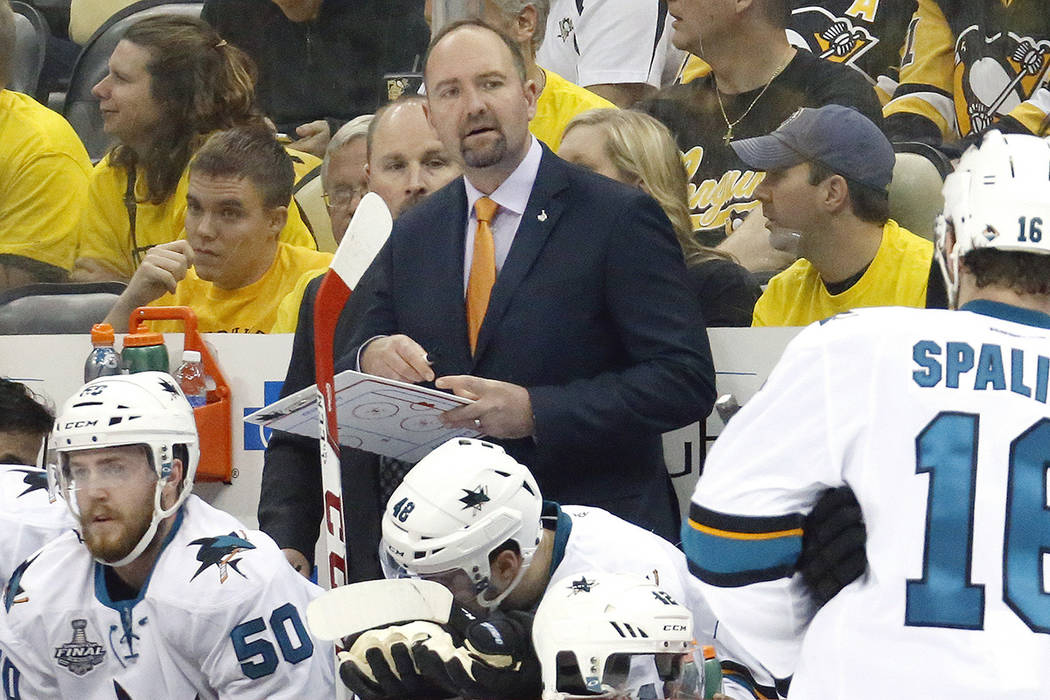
{"x":825,"y":192}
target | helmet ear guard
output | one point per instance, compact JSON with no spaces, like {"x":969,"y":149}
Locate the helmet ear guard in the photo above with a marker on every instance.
{"x":457,"y":506}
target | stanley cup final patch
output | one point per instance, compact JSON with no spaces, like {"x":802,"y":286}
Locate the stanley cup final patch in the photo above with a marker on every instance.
{"x":80,"y":655}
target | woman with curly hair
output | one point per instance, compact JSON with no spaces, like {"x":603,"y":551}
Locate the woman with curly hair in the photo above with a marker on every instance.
{"x":172,"y":81}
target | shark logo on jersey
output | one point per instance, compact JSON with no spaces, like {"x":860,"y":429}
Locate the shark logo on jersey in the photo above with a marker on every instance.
{"x":79,"y":655}
{"x":220,"y":552}
{"x":34,"y":479}
{"x":475,"y":498}
{"x":14,"y":593}
{"x":582,"y":585}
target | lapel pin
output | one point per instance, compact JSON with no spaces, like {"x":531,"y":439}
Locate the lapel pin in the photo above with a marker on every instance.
{"x":542,"y":216}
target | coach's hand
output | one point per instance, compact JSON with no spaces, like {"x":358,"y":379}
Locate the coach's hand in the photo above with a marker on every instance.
{"x":833,"y":542}
{"x":500,"y":409}
{"x":397,"y":357}
{"x":379,"y":664}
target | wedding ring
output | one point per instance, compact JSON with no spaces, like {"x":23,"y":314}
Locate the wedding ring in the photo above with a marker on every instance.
{"x":477,"y":423}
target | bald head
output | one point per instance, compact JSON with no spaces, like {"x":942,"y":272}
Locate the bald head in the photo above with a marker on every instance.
{"x":406,"y":160}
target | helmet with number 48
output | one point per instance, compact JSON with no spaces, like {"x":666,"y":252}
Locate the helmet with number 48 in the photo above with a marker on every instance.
{"x":462,"y":502}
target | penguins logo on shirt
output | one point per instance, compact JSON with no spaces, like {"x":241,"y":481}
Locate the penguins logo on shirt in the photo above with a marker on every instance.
{"x":220,"y":552}
{"x":835,"y":39}
{"x":565,"y":28}
{"x":80,"y":655}
{"x":996,"y":74}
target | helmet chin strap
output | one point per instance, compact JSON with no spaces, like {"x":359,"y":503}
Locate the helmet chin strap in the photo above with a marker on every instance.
{"x":948,"y":262}
{"x":147,"y":537}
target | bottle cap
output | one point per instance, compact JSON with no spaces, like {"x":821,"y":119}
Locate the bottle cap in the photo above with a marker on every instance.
{"x":102,"y":334}
{"x":191,"y":356}
{"x":142,"y":337}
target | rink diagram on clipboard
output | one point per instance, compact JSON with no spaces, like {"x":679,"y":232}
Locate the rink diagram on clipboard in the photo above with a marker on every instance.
{"x":376,"y":415}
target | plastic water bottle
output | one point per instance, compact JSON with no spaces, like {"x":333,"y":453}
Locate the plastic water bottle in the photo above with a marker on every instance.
{"x":103,"y":359}
{"x":191,"y":378}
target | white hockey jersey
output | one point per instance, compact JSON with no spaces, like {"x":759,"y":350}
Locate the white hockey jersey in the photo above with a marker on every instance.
{"x":221,"y":616}
{"x":600,"y":541}
{"x":595,"y":42}
{"x":27,"y":515}
{"x":939,"y":422}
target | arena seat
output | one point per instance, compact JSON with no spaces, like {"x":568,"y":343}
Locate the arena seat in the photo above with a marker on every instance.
{"x":86,"y":16}
{"x":915,"y":192}
{"x":46,"y":309}
{"x":308,"y":195}
{"x":31,"y":33}
{"x":81,"y":107}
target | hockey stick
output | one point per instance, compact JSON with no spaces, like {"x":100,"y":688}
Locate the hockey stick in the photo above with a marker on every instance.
{"x":366,"y":234}
{"x":346,"y":611}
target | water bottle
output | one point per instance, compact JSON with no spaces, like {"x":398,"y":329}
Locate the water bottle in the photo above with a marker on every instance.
{"x":144,"y":351}
{"x":191,"y":378}
{"x":103,"y":360}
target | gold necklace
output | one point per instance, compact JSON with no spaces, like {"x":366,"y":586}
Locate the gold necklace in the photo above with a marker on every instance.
{"x":729,"y":125}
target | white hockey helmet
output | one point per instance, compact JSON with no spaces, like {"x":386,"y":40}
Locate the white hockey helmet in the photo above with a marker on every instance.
{"x":997,"y":197}
{"x":454,"y":508}
{"x":146,"y":408}
{"x":605,"y":635}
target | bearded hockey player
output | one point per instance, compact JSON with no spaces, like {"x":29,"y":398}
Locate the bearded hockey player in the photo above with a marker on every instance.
{"x":939,"y":422}
{"x":155,"y":594}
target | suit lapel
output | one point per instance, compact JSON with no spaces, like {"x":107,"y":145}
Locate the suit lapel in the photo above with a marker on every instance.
{"x":541,"y":214}
{"x":447,"y":263}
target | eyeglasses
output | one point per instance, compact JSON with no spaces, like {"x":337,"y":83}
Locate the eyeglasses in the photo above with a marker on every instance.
{"x":343,"y":198}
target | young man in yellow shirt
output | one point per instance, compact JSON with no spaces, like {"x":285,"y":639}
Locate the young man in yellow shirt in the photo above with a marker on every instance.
{"x":231,"y":269}
{"x":827,"y":170}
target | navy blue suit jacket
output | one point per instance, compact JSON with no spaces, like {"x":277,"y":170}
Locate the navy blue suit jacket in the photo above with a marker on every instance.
{"x":590,"y":312}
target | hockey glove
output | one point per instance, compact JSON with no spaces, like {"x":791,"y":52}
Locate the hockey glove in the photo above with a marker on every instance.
{"x":490,"y":658}
{"x":833,"y":544}
{"x":379,"y":666}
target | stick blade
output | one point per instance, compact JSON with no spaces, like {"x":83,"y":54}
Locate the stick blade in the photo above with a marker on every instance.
{"x":363,"y":606}
{"x":365,"y":235}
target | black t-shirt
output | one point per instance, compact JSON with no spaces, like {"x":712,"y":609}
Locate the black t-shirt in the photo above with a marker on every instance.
{"x":726,"y":290}
{"x":330,"y":67}
{"x":721,"y":185}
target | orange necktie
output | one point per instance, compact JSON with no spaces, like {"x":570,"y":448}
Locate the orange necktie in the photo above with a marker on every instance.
{"x":482,"y":269}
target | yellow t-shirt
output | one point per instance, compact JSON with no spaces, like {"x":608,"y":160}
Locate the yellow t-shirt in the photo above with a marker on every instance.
{"x":250,"y":309}
{"x":105,"y":231}
{"x":898,"y":276}
{"x":44,"y":172}
{"x":559,"y":102}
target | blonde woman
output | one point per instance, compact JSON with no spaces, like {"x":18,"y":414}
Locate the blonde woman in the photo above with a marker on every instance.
{"x":636,"y":149}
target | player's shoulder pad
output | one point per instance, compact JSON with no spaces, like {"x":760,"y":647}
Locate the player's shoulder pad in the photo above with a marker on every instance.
{"x":213,"y":556}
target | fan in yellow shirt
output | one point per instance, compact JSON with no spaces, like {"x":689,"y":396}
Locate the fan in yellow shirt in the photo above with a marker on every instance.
{"x":171,"y":82}
{"x":827,"y":171}
{"x":231,"y":269}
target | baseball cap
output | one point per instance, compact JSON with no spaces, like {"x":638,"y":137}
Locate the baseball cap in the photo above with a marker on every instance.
{"x":838,"y":137}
